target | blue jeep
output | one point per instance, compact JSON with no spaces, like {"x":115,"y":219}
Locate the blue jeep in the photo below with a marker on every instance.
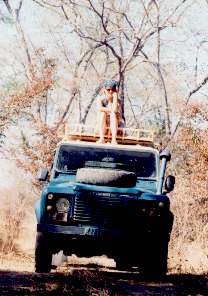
{"x":106,"y":199}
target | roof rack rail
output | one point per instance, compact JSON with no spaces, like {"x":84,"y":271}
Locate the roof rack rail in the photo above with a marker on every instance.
{"x":131,"y":136}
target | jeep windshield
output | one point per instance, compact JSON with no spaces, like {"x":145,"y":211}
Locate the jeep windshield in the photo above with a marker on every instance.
{"x":71,"y":158}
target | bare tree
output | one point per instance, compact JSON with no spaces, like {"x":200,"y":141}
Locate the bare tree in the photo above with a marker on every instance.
{"x":15,"y":15}
{"x":124,"y":34}
{"x":113,"y":39}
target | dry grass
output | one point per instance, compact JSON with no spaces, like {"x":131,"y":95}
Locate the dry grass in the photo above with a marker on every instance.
{"x":17,"y":262}
{"x":188,"y":247}
{"x":17,"y":221}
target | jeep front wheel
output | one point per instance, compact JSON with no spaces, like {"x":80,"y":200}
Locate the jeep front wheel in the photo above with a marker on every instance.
{"x":154,"y":261}
{"x":43,"y":255}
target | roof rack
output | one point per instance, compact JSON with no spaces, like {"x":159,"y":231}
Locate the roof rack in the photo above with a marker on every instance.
{"x":131,"y":136}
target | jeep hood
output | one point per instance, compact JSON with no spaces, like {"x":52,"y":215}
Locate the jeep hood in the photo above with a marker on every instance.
{"x":66,"y":184}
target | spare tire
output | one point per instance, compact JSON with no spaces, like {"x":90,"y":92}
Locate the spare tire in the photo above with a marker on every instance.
{"x":106,"y":177}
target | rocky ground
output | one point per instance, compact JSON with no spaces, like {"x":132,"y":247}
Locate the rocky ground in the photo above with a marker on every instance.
{"x":84,"y":277}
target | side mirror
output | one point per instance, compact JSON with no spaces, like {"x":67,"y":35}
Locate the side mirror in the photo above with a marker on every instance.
{"x":169,"y":183}
{"x":165,"y":154}
{"x":42,"y":174}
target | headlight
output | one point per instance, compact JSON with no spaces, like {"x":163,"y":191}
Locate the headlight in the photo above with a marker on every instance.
{"x":62,"y":205}
{"x":49,"y":208}
{"x":50,"y":196}
{"x":161,"y":204}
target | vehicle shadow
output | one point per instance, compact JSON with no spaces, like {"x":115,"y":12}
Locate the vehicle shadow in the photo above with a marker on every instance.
{"x":99,"y":281}
{"x":133,"y":283}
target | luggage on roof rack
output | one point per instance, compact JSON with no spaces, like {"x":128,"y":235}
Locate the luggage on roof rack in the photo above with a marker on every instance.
{"x":125,"y":135}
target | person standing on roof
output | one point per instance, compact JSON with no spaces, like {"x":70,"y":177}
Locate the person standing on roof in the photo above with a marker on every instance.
{"x":109,"y":108}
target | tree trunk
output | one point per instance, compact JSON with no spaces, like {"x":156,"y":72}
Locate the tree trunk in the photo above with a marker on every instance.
{"x":121,"y":93}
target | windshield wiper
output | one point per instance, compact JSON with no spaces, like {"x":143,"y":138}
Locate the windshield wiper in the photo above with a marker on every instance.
{"x":147,"y":178}
{"x":66,"y":172}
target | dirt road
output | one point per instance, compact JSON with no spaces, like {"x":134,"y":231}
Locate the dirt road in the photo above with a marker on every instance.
{"x":96,"y":281}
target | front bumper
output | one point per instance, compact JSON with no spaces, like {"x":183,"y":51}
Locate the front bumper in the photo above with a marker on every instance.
{"x":76,"y":231}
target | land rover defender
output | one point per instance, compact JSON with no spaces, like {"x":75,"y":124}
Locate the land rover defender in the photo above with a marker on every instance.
{"x":103,"y":199}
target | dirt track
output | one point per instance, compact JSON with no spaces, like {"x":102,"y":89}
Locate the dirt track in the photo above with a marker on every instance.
{"x":78,"y":280}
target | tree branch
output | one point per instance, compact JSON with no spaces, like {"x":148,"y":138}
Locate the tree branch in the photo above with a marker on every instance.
{"x":187,"y":99}
{"x":101,"y":16}
{"x":64,"y":12}
{"x":6,"y":2}
{"x":61,"y":120}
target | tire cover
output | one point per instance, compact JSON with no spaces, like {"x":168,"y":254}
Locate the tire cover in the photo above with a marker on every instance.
{"x":106,"y":177}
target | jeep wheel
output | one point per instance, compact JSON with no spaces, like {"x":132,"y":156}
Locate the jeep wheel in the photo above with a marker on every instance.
{"x":106,"y":177}
{"x":122,"y":264}
{"x":43,"y":255}
{"x":154,"y":261}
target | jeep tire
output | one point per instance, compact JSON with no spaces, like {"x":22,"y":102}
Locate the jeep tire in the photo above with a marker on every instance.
{"x":43,"y":255}
{"x":154,"y":261}
{"x":123,"y":263}
{"x":106,"y":177}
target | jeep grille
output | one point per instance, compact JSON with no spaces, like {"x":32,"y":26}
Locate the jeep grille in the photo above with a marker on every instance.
{"x":99,"y":208}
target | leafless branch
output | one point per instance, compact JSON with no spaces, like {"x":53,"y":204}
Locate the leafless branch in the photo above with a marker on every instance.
{"x":147,"y":12}
{"x":174,"y":12}
{"x":67,"y":108}
{"x":132,"y":110}
{"x":6,"y":2}
{"x":187,"y":99}
{"x":100,"y":15}
{"x":64,"y":12}
{"x":18,"y":9}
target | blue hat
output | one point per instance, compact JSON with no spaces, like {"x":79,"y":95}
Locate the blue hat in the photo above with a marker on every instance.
{"x":110,"y":83}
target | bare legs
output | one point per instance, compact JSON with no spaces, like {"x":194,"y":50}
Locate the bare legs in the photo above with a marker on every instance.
{"x":113,"y":127}
{"x":103,"y":127}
